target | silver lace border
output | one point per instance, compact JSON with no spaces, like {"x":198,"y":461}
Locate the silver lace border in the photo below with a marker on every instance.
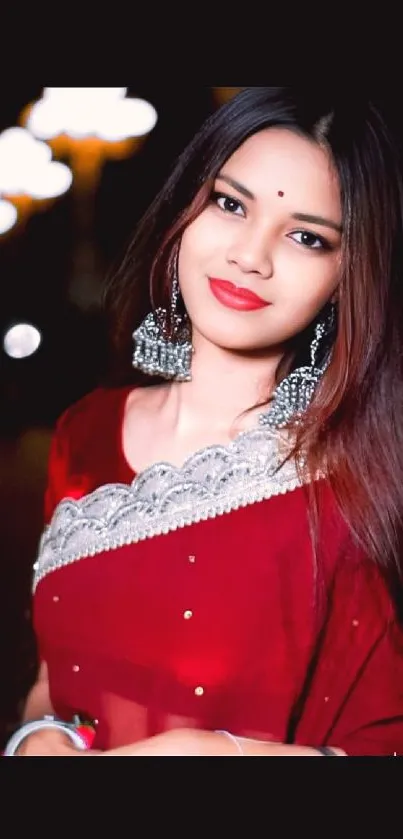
{"x":163,"y":498}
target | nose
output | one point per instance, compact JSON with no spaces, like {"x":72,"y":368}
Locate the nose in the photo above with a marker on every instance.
{"x":251,"y":252}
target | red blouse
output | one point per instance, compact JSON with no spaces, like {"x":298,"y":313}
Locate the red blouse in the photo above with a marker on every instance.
{"x":213,"y":623}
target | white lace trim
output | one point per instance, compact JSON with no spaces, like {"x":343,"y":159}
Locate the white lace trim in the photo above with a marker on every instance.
{"x":213,"y":481}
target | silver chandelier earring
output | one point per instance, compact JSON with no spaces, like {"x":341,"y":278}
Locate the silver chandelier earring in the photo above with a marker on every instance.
{"x":294,"y":394}
{"x":163,"y":345}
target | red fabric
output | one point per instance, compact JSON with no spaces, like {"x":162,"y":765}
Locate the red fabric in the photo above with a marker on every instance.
{"x":112,"y":629}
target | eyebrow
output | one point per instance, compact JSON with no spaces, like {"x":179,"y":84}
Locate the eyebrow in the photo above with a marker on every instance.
{"x":242,"y":189}
{"x":323,"y":222}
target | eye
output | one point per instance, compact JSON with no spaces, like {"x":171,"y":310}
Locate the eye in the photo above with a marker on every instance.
{"x":228,"y":204}
{"x":311,"y":240}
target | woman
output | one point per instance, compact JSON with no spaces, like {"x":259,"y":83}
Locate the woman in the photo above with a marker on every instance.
{"x":221,"y":569}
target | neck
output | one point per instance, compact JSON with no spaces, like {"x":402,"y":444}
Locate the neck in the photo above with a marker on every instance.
{"x":224,"y":385}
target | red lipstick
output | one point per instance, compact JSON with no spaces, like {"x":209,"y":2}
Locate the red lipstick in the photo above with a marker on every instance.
{"x":234,"y":297}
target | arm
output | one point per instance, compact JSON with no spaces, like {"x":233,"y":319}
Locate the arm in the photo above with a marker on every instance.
{"x":46,"y":743}
{"x":371,"y":720}
{"x":368,"y":722}
{"x":38,"y":703}
{"x":195,"y":743}
{"x":177,"y":742}
{"x":38,"y":700}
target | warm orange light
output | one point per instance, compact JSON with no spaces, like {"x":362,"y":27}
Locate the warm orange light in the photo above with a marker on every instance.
{"x":224,"y":94}
{"x":23,"y":203}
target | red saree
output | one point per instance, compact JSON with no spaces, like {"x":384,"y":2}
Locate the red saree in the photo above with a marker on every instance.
{"x":210,"y":623}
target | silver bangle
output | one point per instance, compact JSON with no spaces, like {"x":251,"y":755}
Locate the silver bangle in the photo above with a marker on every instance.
{"x":233,"y":739}
{"x":37,"y":725}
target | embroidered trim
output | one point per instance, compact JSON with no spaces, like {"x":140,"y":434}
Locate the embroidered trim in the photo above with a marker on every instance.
{"x":213,"y":481}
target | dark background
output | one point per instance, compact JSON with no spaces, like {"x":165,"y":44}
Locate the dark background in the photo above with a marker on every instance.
{"x":51,"y":273}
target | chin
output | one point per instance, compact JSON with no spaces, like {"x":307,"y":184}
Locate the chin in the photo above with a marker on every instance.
{"x":229,"y":339}
{"x":245,"y":348}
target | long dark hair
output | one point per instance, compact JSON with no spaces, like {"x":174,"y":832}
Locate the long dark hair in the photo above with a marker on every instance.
{"x":355,"y":422}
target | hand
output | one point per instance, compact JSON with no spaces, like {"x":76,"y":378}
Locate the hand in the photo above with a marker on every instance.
{"x":178,"y":742}
{"x":188,"y":742}
{"x":50,"y":742}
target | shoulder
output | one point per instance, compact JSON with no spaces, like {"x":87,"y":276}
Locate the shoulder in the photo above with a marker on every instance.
{"x":96,"y":407}
{"x":84,"y":449}
{"x":104,"y":405}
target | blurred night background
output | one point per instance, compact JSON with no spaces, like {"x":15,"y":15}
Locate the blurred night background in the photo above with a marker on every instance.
{"x":53,"y":263}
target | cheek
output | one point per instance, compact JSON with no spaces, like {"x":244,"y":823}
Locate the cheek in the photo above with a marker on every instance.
{"x":328,"y":281}
{"x":202,"y":240}
{"x":305,"y":292}
{"x":193,"y":240}
{"x":312,"y":280}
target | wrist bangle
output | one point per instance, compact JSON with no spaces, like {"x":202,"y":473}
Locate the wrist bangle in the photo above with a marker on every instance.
{"x":233,"y":739}
{"x":37,"y":725}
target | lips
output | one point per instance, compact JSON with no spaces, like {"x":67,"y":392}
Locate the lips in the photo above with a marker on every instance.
{"x":234,"y":297}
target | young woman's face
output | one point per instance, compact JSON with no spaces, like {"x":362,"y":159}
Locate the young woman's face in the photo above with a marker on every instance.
{"x":262,"y":259}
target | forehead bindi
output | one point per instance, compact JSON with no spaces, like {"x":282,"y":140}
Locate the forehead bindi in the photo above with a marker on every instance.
{"x":279,"y":164}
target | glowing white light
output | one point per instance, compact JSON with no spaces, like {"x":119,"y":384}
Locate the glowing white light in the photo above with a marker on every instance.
{"x":21,"y":340}
{"x":15,"y":143}
{"x":8,"y":216}
{"x":26,"y":166}
{"x":72,"y":94}
{"x":128,"y":118}
{"x":50,"y":181}
{"x":102,"y":112}
{"x":43,"y":121}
